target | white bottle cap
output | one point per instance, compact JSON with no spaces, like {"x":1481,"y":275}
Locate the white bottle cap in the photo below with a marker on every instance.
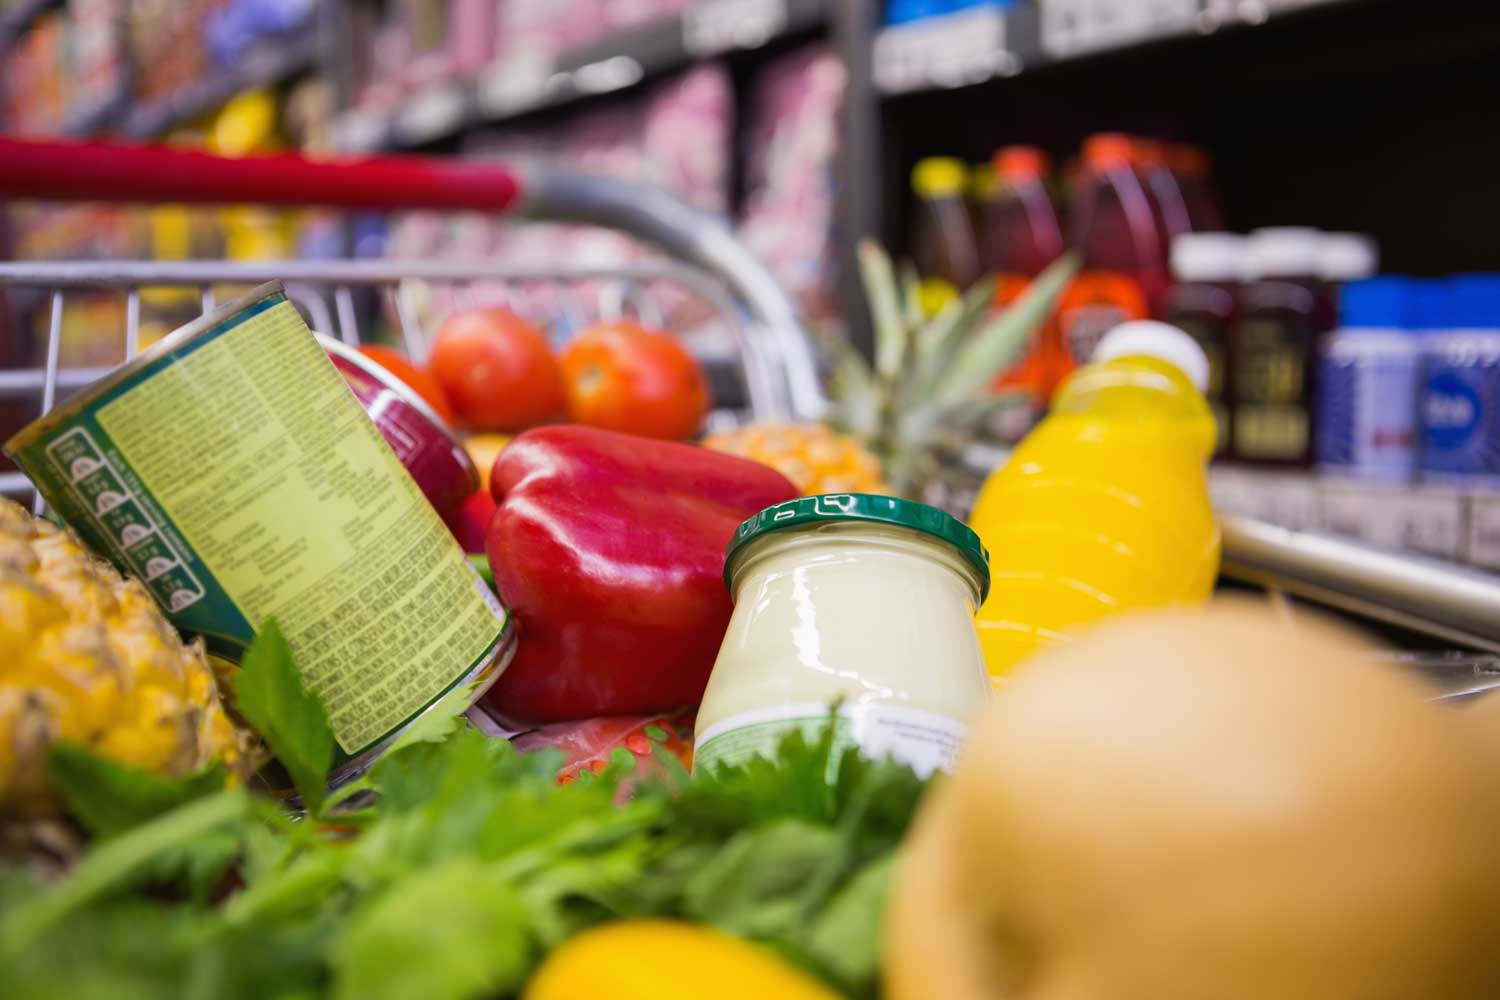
{"x":1348,"y":257}
{"x":1162,"y":341}
{"x":1284,"y":252}
{"x":1208,"y":257}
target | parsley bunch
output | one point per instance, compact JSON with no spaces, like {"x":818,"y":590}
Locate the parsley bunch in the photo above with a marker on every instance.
{"x":447,"y":872}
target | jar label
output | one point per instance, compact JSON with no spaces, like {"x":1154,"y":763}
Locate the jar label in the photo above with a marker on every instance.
{"x":924,"y":741}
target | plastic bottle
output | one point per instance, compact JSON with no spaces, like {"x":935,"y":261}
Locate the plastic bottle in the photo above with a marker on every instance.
{"x":1192,"y":168}
{"x":1021,"y":233}
{"x":1168,"y":206}
{"x":1208,"y":268}
{"x":943,"y":247}
{"x":1460,"y":393}
{"x":1367,"y":385}
{"x":1104,"y":507}
{"x":1112,"y":225}
{"x":1346,"y":257}
{"x":1283,"y":310}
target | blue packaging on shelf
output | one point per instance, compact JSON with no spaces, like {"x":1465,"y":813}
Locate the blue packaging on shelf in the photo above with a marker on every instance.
{"x":1367,"y":384}
{"x":907,"y":11}
{"x":1460,"y":408}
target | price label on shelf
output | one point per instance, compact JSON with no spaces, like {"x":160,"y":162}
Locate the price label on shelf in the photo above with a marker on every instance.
{"x":1072,"y":27}
{"x":515,"y":84}
{"x":949,"y":51}
{"x":1484,"y":532}
{"x":1400,"y":519}
{"x":722,"y":25}
{"x":434,"y":112}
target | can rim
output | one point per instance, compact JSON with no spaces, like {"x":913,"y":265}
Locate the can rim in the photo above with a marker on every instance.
{"x":406,"y":394}
{"x":90,"y":393}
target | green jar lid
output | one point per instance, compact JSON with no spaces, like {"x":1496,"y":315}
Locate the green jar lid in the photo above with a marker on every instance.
{"x":830,"y":507}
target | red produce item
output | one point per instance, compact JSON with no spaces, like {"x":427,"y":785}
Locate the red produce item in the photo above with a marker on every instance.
{"x":609,"y":549}
{"x":420,"y":381}
{"x":470,"y":521}
{"x":624,"y":377}
{"x":498,"y":371}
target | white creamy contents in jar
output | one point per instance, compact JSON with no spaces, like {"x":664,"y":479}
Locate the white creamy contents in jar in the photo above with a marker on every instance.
{"x":864,"y":611}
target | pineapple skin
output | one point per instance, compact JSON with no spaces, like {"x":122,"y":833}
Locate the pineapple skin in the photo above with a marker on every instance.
{"x":86,"y":657}
{"x":816,"y":458}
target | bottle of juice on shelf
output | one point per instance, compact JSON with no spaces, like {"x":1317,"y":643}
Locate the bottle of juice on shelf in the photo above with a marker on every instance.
{"x":1168,"y":204}
{"x":1207,"y":268}
{"x":1020,"y":234}
{"x":1112,"y":225}
{"x":1367,"y":384}
{"x":943,"y":247}
{"x":1284,"y":310}
{"x":1193,"y":170}
{"x":1104,"y":507}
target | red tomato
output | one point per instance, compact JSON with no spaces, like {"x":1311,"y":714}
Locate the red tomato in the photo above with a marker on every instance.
{"x":416,"y":379}
{"x":498,"y":370}
{"x":623,"y":377}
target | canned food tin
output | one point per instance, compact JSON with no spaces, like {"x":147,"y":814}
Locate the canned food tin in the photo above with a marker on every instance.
{"x":232,"y":471}
{"x":420,"y":438}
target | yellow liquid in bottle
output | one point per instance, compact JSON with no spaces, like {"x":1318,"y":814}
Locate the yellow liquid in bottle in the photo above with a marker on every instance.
{"x":1103,"y":508}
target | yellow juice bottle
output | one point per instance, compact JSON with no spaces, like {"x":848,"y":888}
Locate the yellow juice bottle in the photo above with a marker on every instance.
{"x":1104,"y":507}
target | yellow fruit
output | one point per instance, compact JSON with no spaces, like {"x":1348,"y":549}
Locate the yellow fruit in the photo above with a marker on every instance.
{"x":85,"y":656}
{"x":650,"y":959}
{"x":483,"y":449}
{"x":1196,"y":804}
{"x":814,"y":457}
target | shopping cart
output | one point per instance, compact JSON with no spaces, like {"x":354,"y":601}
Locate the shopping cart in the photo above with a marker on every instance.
{"x":770,"y":349}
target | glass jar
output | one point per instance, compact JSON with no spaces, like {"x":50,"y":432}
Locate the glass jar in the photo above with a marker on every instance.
{"x":862,"y":601}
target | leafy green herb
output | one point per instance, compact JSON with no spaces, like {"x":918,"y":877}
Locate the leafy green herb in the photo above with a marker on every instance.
{"x":270,"y":694}
{"x":108,"y":797}
{"x":471,"y":863}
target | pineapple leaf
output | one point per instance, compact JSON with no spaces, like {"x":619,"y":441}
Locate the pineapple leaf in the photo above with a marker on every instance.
{"x":852,"y":386}
{"x":940,"y":340}
{"x":891,"y":332}
{"x":1000,"y":341}
{"x":911,"y":295}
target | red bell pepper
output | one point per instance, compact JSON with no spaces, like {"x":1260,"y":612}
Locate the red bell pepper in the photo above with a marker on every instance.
{"x":609,"y":549}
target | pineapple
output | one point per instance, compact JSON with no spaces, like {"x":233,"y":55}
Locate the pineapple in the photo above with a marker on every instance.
{"x":86,"y":657}
{"x":928,"y":391}
{"x":815,"y":457}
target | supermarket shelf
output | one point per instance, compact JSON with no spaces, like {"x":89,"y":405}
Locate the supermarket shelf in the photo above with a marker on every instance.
{"x":980,"y":44}
{"x":520,"y":85}
{"x":1455,"y":524}
{"x":19,"y":17}
{"x":265,"y":64}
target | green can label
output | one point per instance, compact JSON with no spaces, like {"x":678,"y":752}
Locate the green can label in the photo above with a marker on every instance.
{"x":234,"y":473}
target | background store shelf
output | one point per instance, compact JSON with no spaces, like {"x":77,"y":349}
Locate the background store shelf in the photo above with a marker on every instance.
{"x":18,"y":17}
{"x":518,"y":86}
{"x":985,"y":43}
{"x":265,"y":64}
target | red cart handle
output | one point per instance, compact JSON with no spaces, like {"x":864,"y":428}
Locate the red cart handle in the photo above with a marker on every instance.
{"x":88,"y":171}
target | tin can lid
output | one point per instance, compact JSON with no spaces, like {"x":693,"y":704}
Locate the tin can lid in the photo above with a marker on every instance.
{"x":827,"y":508}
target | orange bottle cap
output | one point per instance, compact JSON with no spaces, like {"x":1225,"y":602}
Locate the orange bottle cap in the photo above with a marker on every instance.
{"x":1108,"y":149}
{"x":1017,"y":162}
